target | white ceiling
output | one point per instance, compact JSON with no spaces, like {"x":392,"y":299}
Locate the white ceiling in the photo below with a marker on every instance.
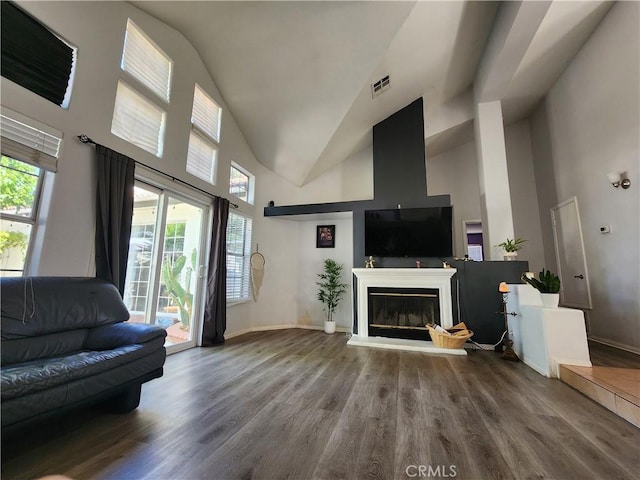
{"x":296,"y":75}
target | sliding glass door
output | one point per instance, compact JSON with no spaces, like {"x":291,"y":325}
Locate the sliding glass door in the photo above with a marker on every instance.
{"x":165,"y":267}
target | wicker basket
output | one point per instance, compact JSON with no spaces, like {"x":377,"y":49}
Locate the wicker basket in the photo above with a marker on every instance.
{"x":459,"y":336}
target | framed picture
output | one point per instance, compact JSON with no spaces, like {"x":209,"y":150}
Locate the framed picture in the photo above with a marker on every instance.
{"x":325,"y":236}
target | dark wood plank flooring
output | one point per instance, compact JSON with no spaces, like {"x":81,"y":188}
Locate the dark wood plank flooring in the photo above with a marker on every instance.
{"x":606,"y":356}
{"x":299,"y":404}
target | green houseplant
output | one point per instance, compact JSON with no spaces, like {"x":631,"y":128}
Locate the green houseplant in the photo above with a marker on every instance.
{"x":511,"y":247}
{"x":330,"y":291}
{"x":548,"y":284}
{"x":180,"y":295}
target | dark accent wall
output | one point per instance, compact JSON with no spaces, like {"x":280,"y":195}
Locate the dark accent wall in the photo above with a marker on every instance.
{"x":399,"y":172}
{"x":479,"y":301}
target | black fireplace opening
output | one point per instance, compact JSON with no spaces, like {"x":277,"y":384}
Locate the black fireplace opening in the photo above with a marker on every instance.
{"x":402,"y":312}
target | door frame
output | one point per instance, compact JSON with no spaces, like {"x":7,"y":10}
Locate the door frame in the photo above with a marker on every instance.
{"x":465,"y":240}
{"x":165,"y":190}
{"x":553,"y":211}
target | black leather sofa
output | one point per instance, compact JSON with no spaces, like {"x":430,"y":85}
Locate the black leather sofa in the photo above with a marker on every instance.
{"x":64,"y":344}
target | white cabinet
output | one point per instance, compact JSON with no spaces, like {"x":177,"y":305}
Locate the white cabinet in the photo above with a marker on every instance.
{"x":542,"y":337}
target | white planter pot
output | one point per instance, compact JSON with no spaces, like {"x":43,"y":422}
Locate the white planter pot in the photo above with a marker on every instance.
{"x":329,"y":327}
{"x":510,"y":256}
{"x":550,"y":300}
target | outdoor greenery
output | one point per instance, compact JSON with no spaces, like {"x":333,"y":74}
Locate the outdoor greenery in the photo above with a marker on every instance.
{"x":331,"y":289}
{"x":511,"y":245}
{"x":548,"y":282}
{"x":181,"y":295}
{"x":18,"y":183}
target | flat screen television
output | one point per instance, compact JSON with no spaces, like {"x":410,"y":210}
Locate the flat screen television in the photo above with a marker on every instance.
{"x":409,"y":232}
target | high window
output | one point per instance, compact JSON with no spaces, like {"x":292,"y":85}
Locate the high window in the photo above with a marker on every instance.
{"x":241,"y":183}
{"x":138,"y":120}
{"x":34,"y":57}
{"x":26,"y":153}
{"x":204,"y":139}
{"x":146,"y":62}
{"x":238,"y":253}
{"x":139,"y":114}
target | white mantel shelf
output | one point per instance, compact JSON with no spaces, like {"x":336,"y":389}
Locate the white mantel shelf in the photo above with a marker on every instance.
{"x":436,"y":278}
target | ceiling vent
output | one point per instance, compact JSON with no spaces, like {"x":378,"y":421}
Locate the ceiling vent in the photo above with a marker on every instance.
{"x":380,"y":86}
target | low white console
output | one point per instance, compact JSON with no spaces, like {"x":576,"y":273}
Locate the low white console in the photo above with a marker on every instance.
{"x":544,"y":338}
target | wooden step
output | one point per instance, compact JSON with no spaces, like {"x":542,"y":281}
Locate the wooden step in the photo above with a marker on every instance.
{"x":617,"y":389}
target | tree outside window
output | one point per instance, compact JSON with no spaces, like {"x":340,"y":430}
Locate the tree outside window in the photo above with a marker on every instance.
{"x":19,"y":191}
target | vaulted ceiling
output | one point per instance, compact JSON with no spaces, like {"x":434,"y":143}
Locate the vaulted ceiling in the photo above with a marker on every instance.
{"x":297,"y":75}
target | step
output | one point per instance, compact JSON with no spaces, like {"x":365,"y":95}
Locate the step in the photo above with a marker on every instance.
{"x":617,"y":389}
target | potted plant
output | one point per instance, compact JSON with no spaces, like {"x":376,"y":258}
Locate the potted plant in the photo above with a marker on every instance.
{"x":331,"y":291}
{"x":511,"y":247}
{"x":548,"y":285}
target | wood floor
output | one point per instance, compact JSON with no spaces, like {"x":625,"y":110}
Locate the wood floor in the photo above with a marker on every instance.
{"x":299,"y":404}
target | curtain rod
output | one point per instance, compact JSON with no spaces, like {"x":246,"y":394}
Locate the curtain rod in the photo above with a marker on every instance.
{"x":85,"y":139}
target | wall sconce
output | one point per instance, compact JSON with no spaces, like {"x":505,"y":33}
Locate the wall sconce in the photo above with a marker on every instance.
{"x":619,"y":179}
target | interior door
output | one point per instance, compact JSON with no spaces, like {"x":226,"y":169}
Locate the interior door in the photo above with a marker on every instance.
{"x":572,"y":264}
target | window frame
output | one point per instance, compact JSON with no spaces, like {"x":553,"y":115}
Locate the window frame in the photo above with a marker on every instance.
{"x":250,"y":183}
{"x":24,"y":68}
{"x":163,"y":123}
{"x":165,"y":97}
{"x":204,"y":136}
{"x":32,"y":220}
{"x":130,"y":81}
{"x":246,"y":264}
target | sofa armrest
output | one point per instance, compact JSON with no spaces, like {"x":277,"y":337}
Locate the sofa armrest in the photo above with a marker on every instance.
{"x":119,"y":334}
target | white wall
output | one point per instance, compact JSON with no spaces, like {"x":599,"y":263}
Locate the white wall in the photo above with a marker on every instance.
{"x":310,"y":263}
{"x":455,"y":172}
{"x":97,"y":30}
{"x":349,"y":180}
{"x":524,"y":197}
{"x":588,"y":126}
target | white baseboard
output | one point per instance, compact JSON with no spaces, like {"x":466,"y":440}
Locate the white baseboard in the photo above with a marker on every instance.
{"x":266,"y":328}
{"x":611,"y":343}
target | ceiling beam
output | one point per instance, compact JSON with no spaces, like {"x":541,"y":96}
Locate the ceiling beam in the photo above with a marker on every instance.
{"x":515,"y":27}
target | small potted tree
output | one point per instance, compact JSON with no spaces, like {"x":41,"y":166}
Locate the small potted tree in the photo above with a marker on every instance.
{"x":331,"y":291}
{"x":511,"y":247}
{"x":548,"y":285}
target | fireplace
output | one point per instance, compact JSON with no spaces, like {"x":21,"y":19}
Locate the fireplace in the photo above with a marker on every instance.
{"x":402,"y":312}
{"x":393,"y":303}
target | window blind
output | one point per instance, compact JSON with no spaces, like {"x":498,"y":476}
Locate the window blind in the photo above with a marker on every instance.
{"x":146,"y":62}
{"x":238,"y":255}
{"x":201,"y":158}
{"x":206,"y":114}
{"x":28,"y":144}
{"x":33,"y":56}
{"x":137,"y":120}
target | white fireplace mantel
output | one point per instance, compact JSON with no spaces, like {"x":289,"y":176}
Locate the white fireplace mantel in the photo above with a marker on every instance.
{"x":436,"y":278}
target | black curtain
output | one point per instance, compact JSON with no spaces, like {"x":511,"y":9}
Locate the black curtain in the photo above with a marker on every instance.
{"x":215,"y":310}
{"x":114,"y":212}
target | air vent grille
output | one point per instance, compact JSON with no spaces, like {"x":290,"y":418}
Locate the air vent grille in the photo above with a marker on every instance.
{"x":380,"y":86}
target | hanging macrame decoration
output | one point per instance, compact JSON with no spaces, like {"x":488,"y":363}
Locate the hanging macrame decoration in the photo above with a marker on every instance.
{"x":257,"y":272}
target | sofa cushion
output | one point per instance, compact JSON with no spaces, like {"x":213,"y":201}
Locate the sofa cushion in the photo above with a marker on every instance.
{"x":82,"y":390}
{"x":53,"y":345}
{"x":33,"y":306}
{"x":37,"y":375}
